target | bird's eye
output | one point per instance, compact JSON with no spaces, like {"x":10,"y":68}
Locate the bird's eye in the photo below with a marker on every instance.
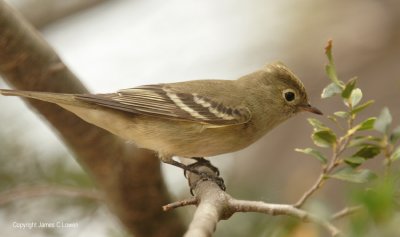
{"x":289,"y":95}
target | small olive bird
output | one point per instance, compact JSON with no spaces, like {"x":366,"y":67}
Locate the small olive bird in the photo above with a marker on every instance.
{"x":190,"y":119}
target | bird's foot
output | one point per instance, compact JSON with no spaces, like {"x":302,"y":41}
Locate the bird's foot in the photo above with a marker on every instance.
{"x":200,"y":161}
{"x":196,"y":167}
{"x":204,"y":176}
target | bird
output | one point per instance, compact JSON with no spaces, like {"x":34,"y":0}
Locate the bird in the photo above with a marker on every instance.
{"x":198,"y":118}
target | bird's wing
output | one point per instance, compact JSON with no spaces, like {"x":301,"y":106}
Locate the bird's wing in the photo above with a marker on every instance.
{"x":161,"y":101}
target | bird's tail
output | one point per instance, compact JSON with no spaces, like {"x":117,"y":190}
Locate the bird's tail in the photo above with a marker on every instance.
{"x":57,"y":98}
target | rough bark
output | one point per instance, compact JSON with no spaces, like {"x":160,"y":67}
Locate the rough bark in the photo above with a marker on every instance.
{"x":130,"y":178}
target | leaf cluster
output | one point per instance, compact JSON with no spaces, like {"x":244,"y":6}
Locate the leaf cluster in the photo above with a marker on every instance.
{"x":358,"y":137}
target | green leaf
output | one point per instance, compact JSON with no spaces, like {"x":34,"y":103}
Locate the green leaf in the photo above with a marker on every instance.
{"x":317,"y":124}
{"x":352,"y":175}
{"x":363,"y":140}
{"x":349,"y":88}
{"x":332,"y":118}
{"x":368,"y":151}
{"x":396,"y":154}
{"x":361,"y":107}
{"x":331,"y":72}
{"x":355,"y":97}
{"x":331,"y":90}
{"x":383,"y":121}
{"x":330,"y":68}
{"x":394,"y":137}
{"x":341,"y":114}
{"x":324,"y":138}
{"x":366,"y":124}
{"x":354,"y":161}
{"x":314,"y":153}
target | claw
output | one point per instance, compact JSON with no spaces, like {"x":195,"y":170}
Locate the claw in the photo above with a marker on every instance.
{"x":200,"y":161}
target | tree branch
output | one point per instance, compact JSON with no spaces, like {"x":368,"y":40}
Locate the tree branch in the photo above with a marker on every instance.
{"x":211,"y":206}
{"x":215,"y":204}
{"x":130,"y":178}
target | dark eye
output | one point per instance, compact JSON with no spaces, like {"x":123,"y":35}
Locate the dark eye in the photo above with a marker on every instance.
{"x":289,"y":96}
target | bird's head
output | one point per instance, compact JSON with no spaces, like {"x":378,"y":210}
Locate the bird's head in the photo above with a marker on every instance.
{"x":288,"y":91}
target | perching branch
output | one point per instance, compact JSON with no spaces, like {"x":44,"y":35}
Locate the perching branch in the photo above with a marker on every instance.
{"x":214,"y":204}
{"x":130,"y":178}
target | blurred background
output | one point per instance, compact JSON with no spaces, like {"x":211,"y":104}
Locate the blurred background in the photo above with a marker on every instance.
{"x":121,"y":44}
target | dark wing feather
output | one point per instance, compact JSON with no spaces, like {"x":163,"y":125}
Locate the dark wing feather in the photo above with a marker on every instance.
{"x":161,"y":101}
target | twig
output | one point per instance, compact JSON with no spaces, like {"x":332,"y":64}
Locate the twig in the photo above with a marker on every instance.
{"x":24,"y":192}
{"x":309,"y":192}
{"x":345,"y":212}
{"x":281,"y":209}
{"x":182,"y":203}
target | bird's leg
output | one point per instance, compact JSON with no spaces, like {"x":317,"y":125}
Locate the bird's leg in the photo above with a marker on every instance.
{"x":169,"y":160}
{"x":193,"y":168}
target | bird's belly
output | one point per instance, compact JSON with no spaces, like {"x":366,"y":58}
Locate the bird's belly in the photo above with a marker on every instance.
{"x":201,"y":147}
{"x":188,"y":139}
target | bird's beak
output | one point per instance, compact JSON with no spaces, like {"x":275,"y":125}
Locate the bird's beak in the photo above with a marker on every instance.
{"x":309,"y":108}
